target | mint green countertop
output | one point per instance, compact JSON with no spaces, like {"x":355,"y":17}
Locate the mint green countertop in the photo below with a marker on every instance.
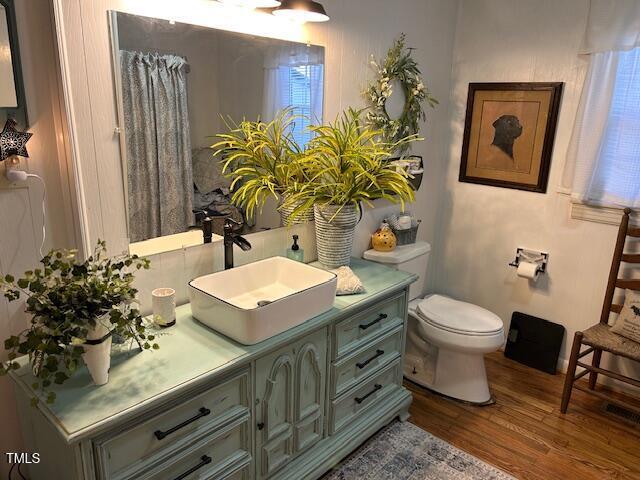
{"x":190,"y":354}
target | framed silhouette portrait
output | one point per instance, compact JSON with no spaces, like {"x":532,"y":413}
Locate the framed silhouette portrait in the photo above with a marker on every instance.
{"x":508,"y":134}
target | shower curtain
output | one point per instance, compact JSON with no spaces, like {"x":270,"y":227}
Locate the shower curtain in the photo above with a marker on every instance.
{"x":158,"y":144}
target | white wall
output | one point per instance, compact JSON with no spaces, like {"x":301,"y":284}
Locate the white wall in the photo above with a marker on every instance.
{"x":20,"y":208}
{"x":481,"y":226}
{"x":354,"y":34}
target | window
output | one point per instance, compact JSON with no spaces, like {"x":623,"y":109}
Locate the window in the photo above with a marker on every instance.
{"x":603,"y":160}
{"x":305,"y":81}
{"x":301,"y":88}
{"x":293,"y":79}
{"x":616,"y":178}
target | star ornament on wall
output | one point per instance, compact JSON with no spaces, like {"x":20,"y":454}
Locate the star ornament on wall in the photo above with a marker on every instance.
{"x":13,"y":142}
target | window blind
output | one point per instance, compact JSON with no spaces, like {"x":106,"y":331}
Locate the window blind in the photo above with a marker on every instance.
{"x":303,"y":91}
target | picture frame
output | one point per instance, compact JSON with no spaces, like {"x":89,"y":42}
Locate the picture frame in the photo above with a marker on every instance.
{"x":509,"y":134}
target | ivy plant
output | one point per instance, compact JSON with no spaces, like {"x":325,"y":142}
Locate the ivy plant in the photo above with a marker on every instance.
{"x":66,"y":299}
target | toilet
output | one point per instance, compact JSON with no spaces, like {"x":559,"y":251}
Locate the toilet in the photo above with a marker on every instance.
{"x":446,"y":338}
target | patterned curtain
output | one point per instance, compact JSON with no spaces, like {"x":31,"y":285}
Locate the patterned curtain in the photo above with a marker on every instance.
{"x":158,"y":144}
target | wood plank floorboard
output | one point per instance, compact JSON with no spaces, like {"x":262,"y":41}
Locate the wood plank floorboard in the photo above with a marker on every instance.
{"x":525,"y":434}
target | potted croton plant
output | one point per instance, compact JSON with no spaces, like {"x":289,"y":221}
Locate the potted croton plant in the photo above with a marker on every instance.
{"x":347,"y":163}
{"x":263,"y":160}
{"x":76,"y":308}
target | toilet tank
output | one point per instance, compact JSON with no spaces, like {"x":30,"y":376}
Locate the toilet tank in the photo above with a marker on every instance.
{"x":413,"y":258}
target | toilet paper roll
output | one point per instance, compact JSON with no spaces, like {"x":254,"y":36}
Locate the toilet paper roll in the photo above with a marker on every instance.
{"x":528,"y":270}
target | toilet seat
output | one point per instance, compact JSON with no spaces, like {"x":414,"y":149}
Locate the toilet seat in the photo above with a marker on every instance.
{"x":458,"y":317}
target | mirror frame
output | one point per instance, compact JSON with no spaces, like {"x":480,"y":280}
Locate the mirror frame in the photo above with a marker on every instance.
{"x":18,"y":113}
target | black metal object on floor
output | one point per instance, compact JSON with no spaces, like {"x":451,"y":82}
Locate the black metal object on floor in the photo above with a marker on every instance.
{"x":534,"y":342}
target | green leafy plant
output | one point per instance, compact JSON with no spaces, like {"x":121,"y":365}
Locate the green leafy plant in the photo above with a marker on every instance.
{"x":348,"y":163}
{"x":66,"y":300}
{"x":262,"y":159}
{"x":400,"y":66}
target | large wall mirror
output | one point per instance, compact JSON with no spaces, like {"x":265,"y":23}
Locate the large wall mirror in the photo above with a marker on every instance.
{"x":12,"y":98}
{"x":176,"y":84}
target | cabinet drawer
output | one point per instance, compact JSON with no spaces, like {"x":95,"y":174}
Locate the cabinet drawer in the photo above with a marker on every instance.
{"x":364,"y":397}
{"x":352,"y":369}
{"x":226,"y":456}
{"x":361,"y":328}
{"x":173,"y":431}
{"x":241,"y":474}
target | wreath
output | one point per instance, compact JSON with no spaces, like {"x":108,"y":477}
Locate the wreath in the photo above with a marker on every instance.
{"x":398,"y":65}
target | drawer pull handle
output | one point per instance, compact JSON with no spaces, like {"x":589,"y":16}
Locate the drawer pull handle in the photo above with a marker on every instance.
{"x":361,"y":365}
{"x":204,"y":460}
{"x":359,"y":400}
{"x":203,"y":413}
{"x":381,"y":317}
{"x":260,"y":426}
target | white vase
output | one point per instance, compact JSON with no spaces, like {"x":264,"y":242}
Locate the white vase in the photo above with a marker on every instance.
{"x":335,"y":227}
{"x":97,"y":357}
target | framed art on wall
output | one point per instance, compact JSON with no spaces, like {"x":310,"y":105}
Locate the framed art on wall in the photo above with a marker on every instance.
{"x":508,"y":134}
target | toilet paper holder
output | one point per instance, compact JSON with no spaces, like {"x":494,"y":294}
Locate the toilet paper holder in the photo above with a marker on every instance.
{"x":542,"y":258}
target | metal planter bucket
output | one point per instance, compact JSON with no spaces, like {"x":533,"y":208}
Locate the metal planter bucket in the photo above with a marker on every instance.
{"x":334,"y":233}
{"x":285,"y":215}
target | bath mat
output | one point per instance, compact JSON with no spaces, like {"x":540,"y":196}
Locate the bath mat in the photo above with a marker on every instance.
{"x":402,"y":451}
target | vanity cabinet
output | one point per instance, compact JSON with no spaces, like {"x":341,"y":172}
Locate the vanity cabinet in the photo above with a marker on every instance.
{"x":206,"y":407}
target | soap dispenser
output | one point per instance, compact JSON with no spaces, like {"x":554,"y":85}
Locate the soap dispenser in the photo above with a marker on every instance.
{"x":295,"y":252}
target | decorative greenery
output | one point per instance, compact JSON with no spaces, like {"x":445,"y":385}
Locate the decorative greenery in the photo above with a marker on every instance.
{"x":263,"y":160}
{"x":67,"y":299}
{"x":348,"y":163}
{"x":398,"y":66}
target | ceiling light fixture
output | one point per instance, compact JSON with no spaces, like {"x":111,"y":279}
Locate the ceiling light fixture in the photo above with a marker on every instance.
{"x":302,"y":11}
{"x":252,"y":3}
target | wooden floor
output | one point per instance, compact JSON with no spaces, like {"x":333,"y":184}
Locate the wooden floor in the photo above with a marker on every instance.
{"x":525,"y":434}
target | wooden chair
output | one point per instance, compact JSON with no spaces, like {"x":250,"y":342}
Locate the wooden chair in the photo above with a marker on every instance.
{"x":599,"y":338}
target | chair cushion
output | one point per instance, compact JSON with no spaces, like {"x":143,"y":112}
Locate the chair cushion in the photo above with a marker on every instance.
{"x":628,"y":321}
{"x":600,"y":336}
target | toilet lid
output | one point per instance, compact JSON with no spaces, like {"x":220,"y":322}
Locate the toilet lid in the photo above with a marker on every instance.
{"x":458,"y":317}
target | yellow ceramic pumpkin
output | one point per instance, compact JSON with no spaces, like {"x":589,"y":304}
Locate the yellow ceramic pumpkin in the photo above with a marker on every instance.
{"x":383,"y":240}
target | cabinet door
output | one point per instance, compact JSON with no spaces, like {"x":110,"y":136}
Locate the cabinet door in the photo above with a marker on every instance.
{"x":274,"y":414}
{"x":310,"y":381}
{"x":290,"y":389}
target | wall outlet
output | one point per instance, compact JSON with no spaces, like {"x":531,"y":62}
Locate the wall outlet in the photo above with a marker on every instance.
{"x":11,"y":163}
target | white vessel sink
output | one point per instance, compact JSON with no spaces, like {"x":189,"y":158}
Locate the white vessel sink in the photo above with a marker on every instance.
{"x":262,"y":299}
